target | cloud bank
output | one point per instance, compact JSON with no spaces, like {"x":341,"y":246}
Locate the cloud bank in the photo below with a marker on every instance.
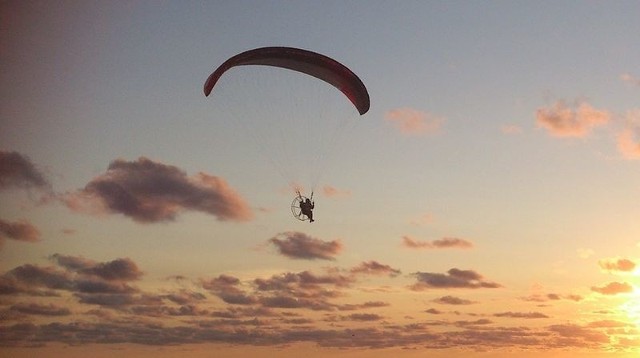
{"x":277,"y":310}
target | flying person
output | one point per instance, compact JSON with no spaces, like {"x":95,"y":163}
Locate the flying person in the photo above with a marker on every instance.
{"x":305,"y":62}
{"x":306,"y":207}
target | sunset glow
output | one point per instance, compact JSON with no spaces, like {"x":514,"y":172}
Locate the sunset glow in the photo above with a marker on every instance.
{"x":485,"y":205}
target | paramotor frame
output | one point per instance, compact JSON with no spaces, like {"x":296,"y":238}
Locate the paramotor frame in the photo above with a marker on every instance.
{"x":296,"y":210}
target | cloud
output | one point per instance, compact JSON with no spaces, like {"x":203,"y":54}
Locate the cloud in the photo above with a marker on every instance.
{"x":369,"y":304}
{"x":562,"y":120}
{"x":623,"y":265}
{"x":148,"y":192}
{"x":72,"y":263}
{"x":613,"y":288}
{"x":118,"y":269}
{"x":628,"y":141}
{"x":115,"y":300}
{"x":24,"y":278}
{"x":551,"y":297}
{"x":579,"y":333}
{"x":433,"y":311}
{"x":306,"y":283}
{"x":468,"y":324}
{"x":227,"y":288}
{"x":157,"y":310}
{"x":454,"y":278}
{"x":244,"y":311}
{"x":68,"y":231}
{"x":302,"y":290}
{"x":479,"y":335}
{"x":609,"y":324}
{"x":628,"y":145}
{"x":92,"y":285}
{"x":375,"y":268}
{"x":17,"y":170}
{"x":297,"y":245}
{"x":511,"y":129}
{"x":572,"y":297}
{"x":333,"y":192}
{"x":444,"y":243}
{"x":630,"y":79}
{"x":268,"y":320}
{"x":424,"y":219}
{"x":285,"y":301}
{"x":19,"y":231}
{"x":184,"y":297}
{"x":363,"y":317}
{"x":90,"y":281}
{"x":275,"y":316}
{"x":413,"y":122}
{"x":40,"y":310}
{"x":123,"y":269}
{"x":528,"y":315}
{"x":451,"y":300}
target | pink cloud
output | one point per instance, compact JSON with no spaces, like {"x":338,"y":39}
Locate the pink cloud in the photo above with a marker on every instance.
{"x":628,"y":146}
{"x":624,"y":265}
{"x":445,"y":242}
{"x":148,"y":192}
{"x":413,"y":122}
{"x":631,"y":79}
{"x":333,"y":192}
{"x":562,"y":120}
{"x":613,"y":288}
{"x":628,"y":139}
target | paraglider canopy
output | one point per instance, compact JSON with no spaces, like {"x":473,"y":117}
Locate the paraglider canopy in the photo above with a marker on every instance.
{"x":304,"y":61}
{"x":285,"y":107}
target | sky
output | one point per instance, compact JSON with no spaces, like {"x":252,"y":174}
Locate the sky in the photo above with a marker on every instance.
{"x":485,"y":206}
